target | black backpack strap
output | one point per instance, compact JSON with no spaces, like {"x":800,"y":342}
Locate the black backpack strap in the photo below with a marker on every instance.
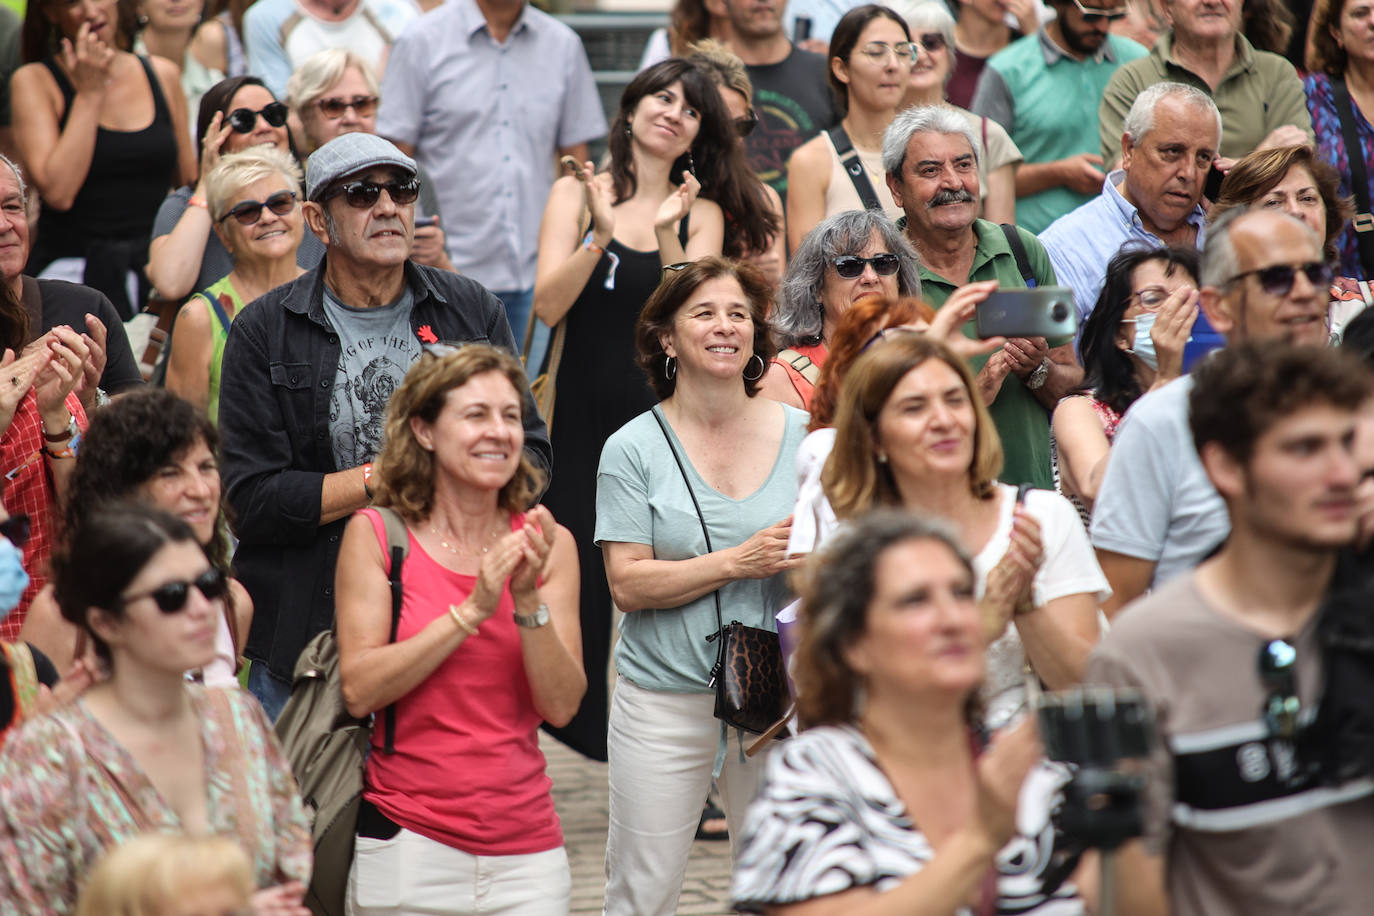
{"x":1363,"y":221}
{"x":398,"y":545}
{"x":1018,"y":251}
{"x":849,"y":159}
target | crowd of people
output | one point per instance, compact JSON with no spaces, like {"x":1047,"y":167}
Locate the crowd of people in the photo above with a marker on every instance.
{"x":753,"y":407}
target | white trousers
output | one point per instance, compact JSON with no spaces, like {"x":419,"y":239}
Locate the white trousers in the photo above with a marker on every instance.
{"x":662,"y":747}
{"x":410,"y":873}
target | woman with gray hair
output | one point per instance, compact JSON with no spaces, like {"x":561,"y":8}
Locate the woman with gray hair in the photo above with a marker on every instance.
{"x":848,"y":256}
{"x":932,"y":35}
{"x":254,"y":202}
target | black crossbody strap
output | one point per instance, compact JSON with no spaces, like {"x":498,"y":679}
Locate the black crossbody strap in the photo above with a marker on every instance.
{"x":849,"y":159}
{"x":398,"y":543}
{"x":1363,"y":221}
{"x":687,"y":481}
{"x":1018,"y":251}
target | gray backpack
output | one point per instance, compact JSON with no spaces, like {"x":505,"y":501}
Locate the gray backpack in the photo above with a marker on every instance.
{"x":327,"y":748}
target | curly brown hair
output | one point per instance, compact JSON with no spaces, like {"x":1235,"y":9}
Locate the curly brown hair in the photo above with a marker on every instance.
{"x":853,"y":333}
{"x":1256,"y":174}
{"x":405,"y":470}
{"x":1325,"y":54}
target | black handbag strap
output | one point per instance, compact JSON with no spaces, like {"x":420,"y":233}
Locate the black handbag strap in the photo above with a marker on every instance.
{"x":687,"y":482}
{"x":849,"y":159}
{"x":1363,"y":222}
{"x":1018,"y":251}
{"x":398,"y":543}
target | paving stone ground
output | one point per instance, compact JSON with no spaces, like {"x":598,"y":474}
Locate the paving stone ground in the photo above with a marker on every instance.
{"x":579,"y":794}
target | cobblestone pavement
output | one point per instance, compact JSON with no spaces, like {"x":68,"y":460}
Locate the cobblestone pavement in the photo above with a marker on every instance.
{"x":579,"y":793}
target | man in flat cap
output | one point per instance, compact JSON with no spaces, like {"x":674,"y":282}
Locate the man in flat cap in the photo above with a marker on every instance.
{"x":308,"y":370}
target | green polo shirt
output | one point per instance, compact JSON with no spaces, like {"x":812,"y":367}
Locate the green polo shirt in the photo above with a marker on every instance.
{"x":1261,"y":91}
{"x":1022,"y":421}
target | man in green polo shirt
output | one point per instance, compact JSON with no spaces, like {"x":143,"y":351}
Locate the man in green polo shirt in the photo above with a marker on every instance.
{"x":1259,"y":94}
{"x":929,"y":154}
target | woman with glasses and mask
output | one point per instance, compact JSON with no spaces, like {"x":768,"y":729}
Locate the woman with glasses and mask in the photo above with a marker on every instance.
{"x":254,"y":199}
{"x":186,"y":253}
{"x":334,"y":92}
{"x":851,"y":255}
{"x":871,"y":60}
{"x":102,"y":134}
{"x":1132,"y":343}
{"x":145,"y":750}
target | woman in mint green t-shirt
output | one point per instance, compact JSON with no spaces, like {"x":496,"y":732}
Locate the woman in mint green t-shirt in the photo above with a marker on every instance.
{"x":254,"y":200}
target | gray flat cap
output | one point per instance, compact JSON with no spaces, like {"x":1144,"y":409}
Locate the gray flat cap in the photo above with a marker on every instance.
{"x":349,"y":153}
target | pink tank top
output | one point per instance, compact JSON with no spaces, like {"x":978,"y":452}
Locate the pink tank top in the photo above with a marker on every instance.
{"x":467,"y":771}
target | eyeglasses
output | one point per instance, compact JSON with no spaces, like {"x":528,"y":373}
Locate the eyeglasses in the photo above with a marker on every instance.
{"x":898,"y":330}
{"x":877,"y":51}
{"x":1150,"y":298}
{"x":931,"y":41}
{"x":1277,"y":659}
{"x":243,"y":120}
{"x":1277,"y":280}
{"x":1092,"y":15}
{"x":851,"y":267}
{"x":363,"y":106}
{"x":249,"y":212}
{"x":171,"y":598}
{"x":745,"y":126}
{"x":16,"y":528}
{"x":364,"y":194}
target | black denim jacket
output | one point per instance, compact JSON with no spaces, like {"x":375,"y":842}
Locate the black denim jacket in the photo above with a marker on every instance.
{"x":279,"y":365}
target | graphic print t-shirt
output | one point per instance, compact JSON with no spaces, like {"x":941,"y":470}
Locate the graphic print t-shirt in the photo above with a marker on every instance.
{"x":376,"y":348}
{"x":793,"y":103}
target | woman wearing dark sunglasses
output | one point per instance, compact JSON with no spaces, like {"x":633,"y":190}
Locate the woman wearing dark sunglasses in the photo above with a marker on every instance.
{"x":186,"y":254}
{"x":254,"y":199}
{"x":871,"y":58}
{"x":145,"y":750}
{"x":102,"y":134}
{"x":851,"y":255}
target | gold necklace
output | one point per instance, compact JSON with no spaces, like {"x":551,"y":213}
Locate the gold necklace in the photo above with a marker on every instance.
{"x":486,"y":544}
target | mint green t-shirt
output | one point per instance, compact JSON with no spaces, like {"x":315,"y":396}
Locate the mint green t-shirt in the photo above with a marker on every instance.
{"x":641,"y":499}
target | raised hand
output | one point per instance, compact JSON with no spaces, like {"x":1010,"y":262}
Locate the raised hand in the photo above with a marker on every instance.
{"x":496,"y":567}
{"x":59,"y":377}
{"x":598,"y":198}
{"x":16,"y":378}
{"x":1001,"y":771}
{"x":958,"y":310}
{"x":1008,"y":589}
{"x":679,"y":203}
{"x":210,"y":150}
{"x":1172,"y":327}
{"x":88,"y":61}
{"x":540,"y":532}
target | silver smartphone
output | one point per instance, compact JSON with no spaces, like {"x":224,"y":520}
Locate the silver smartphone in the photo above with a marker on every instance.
{"x":1045,"y":311}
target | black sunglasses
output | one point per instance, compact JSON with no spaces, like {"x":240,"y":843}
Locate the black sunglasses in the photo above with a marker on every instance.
{"x":243,"y":119}
{"x":851,"y":267}
{"x":364,"y":194}
{"x":1277,"y":659}
{"x":1097,"y":15}
{"x":745,"y":126}
{"x":249,"y":212}
{"x":171,"y":597}
{"x":931,"y":41}
{"x":363,"y":105}
{"x":17,"y":529}
{"x":1278,"y":279}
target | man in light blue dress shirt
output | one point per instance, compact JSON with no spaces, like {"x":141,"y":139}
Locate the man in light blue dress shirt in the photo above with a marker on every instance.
{"x":487,"y":96}
{"x":1169,"y":143}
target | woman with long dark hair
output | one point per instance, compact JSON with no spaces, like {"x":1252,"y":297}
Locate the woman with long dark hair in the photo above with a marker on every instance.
{"x":674,"y":167}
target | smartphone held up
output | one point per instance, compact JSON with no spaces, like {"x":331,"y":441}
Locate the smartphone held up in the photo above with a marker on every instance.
{"x":1044,"y":311}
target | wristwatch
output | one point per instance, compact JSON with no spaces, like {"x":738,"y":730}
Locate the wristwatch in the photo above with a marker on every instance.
{"x":1036,"y":380}
{"x":533,"y":621}
{"x":69,"y":433}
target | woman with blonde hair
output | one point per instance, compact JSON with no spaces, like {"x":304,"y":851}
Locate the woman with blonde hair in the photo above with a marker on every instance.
{"x":486,"y":649}
{"x":254,"y":199}
{"x":169,"y":874}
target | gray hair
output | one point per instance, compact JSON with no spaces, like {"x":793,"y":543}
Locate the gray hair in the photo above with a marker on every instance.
{"x":800,"y":315}
{"x":18,"y":177}
{"x":1219,"y":262}
{"x":1140,"y":120}
{"x":928,"y":16}
{"x":236,"y":171}
{"x":321,"y":70}
{"x":922,"y":119}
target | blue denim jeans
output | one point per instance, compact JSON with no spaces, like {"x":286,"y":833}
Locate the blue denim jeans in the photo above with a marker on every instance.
{"x":272,"y":692}
{"x":518,"y":304}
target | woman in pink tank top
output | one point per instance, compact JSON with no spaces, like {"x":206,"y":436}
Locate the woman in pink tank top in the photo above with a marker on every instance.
{"x":459,"y":818}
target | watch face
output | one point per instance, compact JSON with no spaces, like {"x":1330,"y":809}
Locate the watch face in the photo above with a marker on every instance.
{"x":537,"y":619}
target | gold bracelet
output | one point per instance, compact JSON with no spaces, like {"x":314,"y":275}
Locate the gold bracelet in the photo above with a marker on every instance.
{"x":461,"y":621}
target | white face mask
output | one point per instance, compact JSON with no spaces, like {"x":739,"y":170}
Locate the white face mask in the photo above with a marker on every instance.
{"x":13,"y":579}
{"x":1143,"y":345}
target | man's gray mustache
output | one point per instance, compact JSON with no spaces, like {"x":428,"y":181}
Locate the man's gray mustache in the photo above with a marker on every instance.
{"x":961,"y":196}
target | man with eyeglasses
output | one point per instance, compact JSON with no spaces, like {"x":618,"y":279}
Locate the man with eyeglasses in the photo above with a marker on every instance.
{"x":308,"y":370}
{"x":1168,"y":144}
{"x":1157,"y":514}
{"x":1242,"y":813}
{"x":1044,"y":89}
{"x":931,"y":160}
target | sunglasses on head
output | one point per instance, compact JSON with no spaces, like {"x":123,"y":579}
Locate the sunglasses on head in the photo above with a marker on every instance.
{"x":243,"y":120}
{"x":931,"y":41}
{"x":171,"y":597}
{"x":745,"y":126}
{"x":16,"y":528}
{"x":362,"y":105}
{"x":851,"y":267}
{"x":249,"y":212}
{"x":1277,"y":661}
{"x":1096,"y":15}
{"x":1277,"y":280}
{"x":363,"y":194}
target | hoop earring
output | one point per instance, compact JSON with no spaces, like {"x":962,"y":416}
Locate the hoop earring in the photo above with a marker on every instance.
{"x":762,"y":368}
{"x":669,"y":367}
